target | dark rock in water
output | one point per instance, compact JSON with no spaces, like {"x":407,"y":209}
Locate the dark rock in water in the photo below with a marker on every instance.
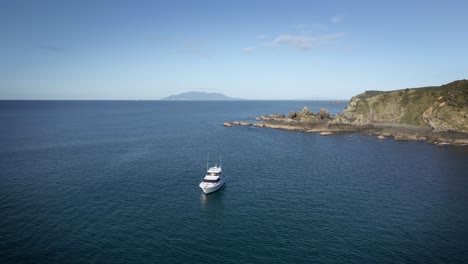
{"x":245,"y":123}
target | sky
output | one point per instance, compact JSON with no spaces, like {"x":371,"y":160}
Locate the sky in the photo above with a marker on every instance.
{"x":265,"y":50}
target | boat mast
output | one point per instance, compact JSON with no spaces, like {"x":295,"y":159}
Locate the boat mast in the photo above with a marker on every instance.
{"x":207,"y":160}
{"x":220,"y":160}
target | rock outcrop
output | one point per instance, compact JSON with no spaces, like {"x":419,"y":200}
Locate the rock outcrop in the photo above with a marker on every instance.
{"x":433,"y":114}
{"x":326,"y":133}
{"x":323,"y":114}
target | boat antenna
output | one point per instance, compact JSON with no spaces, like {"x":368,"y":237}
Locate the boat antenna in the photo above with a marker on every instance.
{"x":220,"y":160}
{"x":207,"y":160}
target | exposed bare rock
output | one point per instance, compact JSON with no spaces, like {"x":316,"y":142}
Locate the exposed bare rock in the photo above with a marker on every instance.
{"x":309,"y":118}
{"x":305,"y":112}
{"x":405,"y":137}
{"x":285,"y":126}
{"x":292,"y":115}
{"x":460,"y":142}
{"x":240,"y":123}
{"x":381,"y":137}
{"x":228,"y":124}
{"x":245,"y":124}
{"x":326,"y":133}
{"x":442,"y":144}
{"x":339,"y":120}
{"x":323,"y":114}
{"x":276,"y":116}
{"x":444,"y":117}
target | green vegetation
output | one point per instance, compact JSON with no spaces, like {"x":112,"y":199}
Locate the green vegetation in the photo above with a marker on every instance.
{"x":362,"y":107}
{"x":442,"y":108}
{"x":415,"y":103}
{"x":368,"y":94}
{"x":404,"y":98}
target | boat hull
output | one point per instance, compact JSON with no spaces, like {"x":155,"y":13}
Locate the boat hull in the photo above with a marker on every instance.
{"x":212,"y":188}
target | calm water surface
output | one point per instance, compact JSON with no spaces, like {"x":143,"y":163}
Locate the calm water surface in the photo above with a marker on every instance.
{"x":117,"y":182}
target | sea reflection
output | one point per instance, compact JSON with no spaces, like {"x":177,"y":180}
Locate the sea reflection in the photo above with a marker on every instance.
{"x":213,"y":200}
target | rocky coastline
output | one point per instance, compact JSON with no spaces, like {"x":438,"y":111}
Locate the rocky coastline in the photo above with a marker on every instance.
{"x":439,"y":121}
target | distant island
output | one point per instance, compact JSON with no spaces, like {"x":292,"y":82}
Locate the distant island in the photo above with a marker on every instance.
{"x":199,"y":96}
{"x":436,"y":114}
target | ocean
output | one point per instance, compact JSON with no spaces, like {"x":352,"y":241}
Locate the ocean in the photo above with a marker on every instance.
{"x":117,"y":182}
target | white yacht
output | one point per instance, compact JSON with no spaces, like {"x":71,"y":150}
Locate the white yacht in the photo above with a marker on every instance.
{"x":213,"y":180}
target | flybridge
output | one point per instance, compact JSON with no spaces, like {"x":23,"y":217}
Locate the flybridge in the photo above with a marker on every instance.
{"x":214,"y":178}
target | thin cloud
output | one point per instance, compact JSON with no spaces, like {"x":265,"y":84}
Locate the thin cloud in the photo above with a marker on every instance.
{"x":248,"y":49}
{"x":306,"y":37}
{"x":306,"y":42}
{"x":336,"y":19}
{"x":300,"y":42}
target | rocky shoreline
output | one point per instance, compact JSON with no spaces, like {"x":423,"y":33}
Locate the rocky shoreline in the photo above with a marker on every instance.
{"x":325,"y":124}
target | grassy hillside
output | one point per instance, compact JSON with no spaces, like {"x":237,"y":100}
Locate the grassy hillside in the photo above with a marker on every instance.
{"x":442,"y":108}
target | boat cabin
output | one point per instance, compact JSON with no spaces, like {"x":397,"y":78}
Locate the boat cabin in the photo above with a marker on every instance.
{"x":211,"y":180}
{"x":213,"y":175}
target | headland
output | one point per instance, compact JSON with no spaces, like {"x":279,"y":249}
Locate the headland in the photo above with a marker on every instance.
{"x":437,"y":115}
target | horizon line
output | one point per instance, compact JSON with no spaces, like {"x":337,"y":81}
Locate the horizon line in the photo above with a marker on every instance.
{"x":234,"y":100}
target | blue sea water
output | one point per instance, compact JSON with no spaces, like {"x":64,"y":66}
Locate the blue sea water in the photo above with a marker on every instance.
{"x":117,"y":182}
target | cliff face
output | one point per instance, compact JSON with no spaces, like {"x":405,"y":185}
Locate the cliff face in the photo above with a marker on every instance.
{"x":440,"y":108}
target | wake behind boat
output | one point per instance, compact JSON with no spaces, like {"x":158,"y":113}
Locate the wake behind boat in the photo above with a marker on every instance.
{"x":213,"y":180}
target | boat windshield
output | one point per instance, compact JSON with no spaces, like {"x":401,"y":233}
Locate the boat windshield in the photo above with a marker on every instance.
{"x":212,"y":181}
{"x":214,"y":173}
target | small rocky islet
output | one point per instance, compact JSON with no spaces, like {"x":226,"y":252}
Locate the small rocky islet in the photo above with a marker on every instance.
{"x":437,"y":115}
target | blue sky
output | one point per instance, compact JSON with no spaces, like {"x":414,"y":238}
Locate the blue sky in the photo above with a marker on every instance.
{"x":249,"y":49}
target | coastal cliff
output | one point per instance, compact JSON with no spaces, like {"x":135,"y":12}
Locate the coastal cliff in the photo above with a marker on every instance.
{"x":440,"y":108}
{"x":436,"y":114}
